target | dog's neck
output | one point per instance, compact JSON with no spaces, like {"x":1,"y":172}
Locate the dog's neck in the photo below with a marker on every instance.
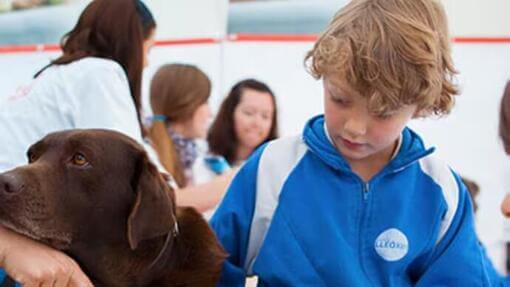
{"x":194,"y":257}
{"x":126,"y":267}
{"x":163,"y":259}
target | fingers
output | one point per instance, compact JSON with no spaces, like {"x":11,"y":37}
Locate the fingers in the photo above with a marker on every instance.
{"x":64,"y":280}
{"x":73,"y":276}
{"x":48,"y":283}
{"x":35,"y":265}
{"x":63,"y":272}
{"x":44,"y":278}
{"x":78,"y":278}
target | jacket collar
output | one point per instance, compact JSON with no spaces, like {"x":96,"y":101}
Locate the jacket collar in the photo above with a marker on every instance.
{"x":410,"y":149}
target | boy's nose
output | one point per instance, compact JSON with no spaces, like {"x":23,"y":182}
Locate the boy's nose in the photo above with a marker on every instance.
{"x":355,"y":127}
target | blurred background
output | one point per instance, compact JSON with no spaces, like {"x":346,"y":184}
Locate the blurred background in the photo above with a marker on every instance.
{"x":268,"y":39}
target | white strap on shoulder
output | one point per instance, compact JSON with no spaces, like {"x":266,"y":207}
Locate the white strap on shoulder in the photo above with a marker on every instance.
{"x":443,"y":176}
{"x":276,"y":163}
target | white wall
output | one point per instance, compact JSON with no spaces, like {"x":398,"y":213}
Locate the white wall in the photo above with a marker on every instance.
{"x":468,"y":138}
{"x":478,"y":18}
{"x":190,"y":18}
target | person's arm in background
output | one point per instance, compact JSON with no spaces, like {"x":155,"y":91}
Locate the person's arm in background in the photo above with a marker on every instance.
{"x":33,"y":264}
{"x":206,"y":195}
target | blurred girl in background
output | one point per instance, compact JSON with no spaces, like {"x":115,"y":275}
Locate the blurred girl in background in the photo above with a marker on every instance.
{"x":179,"y":96}
{"x":246,"y":119}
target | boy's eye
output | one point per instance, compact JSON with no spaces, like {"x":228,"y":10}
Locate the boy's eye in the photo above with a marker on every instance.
{"x":339,"y":100}
{"x":384,"y":116}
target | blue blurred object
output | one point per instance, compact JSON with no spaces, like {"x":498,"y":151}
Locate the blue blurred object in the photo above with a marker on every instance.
{"x":6,"y":281}
{"x":277,"y":17}
{"x":41,"y":25}
{"x":217,"y":164}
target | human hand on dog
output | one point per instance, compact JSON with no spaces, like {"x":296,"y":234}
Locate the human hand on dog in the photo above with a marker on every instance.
{"x":33,"y":264}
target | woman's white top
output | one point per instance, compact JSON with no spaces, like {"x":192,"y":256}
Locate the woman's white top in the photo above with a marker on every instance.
{"x":88,"y":93}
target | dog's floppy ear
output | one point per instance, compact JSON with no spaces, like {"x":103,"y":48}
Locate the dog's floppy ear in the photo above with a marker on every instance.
{"x":153,"y":209}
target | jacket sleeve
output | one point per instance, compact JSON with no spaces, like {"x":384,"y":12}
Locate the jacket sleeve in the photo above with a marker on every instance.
{"x":457,"y":259}
{"x":232,"y":221}
{"x":496,"y":279}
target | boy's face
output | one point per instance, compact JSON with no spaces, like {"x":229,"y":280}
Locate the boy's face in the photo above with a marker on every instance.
{"x":358,"y":135}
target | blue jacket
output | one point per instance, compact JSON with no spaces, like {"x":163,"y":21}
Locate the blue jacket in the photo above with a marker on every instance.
{"x":296,"y":215}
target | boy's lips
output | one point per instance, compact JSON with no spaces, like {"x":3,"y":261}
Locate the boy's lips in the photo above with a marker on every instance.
{"x":351,"y":145}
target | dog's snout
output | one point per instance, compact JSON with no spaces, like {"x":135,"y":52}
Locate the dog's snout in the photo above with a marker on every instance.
{"x":11,"y":183}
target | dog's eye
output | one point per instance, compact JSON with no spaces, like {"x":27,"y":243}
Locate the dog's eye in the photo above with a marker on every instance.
{"x":79,"y":159}
{"x":31,"y":157}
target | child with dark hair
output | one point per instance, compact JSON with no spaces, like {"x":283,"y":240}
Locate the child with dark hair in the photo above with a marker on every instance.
{"x":247,"y":118}
{"x":179,"y":97}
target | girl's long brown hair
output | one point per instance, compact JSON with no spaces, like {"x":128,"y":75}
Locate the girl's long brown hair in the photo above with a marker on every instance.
{"x":115,"y":30}
{"x":176,"y":92}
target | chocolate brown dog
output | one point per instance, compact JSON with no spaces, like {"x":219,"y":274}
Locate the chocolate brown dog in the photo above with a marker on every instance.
{"x":94,"y":195}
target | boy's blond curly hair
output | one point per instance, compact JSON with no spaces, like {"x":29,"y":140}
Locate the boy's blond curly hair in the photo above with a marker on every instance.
{"x":394,"y":52}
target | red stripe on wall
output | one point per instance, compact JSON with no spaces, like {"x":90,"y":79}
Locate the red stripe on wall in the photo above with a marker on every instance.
{"x":51,"y":48}
{"x":313,"y":37}
{"x":192,"y":41}
{"x":240,"y":38}
{"x":482,"y":40}
{"x":28,"y":48}
{"x":272,"y":38}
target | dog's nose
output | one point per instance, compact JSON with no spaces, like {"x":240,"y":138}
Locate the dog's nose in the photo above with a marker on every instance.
{"x":11,"y":183}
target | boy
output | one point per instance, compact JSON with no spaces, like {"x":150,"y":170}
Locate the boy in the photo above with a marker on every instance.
{"x":357,"y":200}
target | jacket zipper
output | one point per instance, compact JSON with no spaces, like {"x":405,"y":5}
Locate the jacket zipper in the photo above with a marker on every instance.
{"x":365,"y":193}
{"x":366,"y":189}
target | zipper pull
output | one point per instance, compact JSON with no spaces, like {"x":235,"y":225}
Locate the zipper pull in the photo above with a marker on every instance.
{"x":366,"y":188}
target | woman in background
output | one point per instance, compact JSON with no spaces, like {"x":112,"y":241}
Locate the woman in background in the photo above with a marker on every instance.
{"x":95,"y":83}
{"x":247,"y":118}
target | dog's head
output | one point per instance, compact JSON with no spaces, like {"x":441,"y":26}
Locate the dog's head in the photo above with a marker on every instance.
{"x":88,"y":185}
